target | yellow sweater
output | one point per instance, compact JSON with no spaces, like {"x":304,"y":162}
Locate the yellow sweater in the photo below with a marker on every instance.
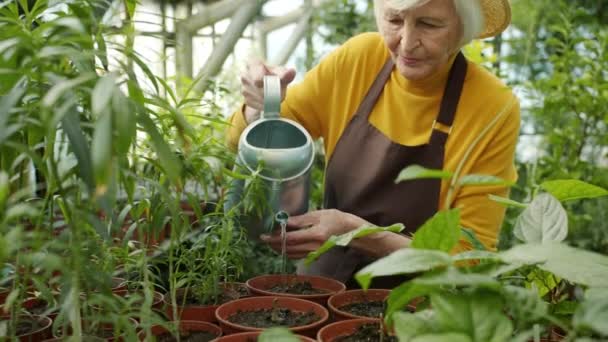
{"x":330,"y":93}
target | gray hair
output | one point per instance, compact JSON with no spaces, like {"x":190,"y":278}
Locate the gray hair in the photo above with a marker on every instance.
{"x":471,"y":15}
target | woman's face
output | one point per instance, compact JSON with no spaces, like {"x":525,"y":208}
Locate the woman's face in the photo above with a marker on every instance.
{"x":421,"y":39}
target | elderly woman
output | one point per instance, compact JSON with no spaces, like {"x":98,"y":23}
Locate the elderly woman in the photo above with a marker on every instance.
{"x":384,"y":101}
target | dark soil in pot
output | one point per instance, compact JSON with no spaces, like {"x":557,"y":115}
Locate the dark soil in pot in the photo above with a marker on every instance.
{"x":29,"y":328}
{"x":266,"y":318}
{"x":188,"y":336}
{"x":301,"y":288}
{"x":230,"y":291}
{"x":189,"y":331}
{"x":372,"y":309}
{"x":365,"y":333}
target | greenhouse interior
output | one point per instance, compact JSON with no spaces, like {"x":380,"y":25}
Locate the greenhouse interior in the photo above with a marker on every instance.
{"x":304,"y":170}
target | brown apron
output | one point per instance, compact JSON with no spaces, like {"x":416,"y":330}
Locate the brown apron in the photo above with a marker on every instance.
{"x":361,"y":173}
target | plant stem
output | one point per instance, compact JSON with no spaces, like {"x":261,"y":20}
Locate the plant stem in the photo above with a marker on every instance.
{"x":456,"y":177}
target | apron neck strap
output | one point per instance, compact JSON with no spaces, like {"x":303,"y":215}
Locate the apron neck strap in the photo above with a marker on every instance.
{"x":449,"y":102}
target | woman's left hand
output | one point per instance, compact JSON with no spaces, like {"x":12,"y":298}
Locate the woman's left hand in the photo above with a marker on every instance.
{"x":312,"y":230}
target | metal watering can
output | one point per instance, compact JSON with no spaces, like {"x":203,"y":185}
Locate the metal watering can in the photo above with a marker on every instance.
{"x":281,"y":152}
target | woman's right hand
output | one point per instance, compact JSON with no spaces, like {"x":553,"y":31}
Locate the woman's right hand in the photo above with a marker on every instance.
{"x":252,"y":85}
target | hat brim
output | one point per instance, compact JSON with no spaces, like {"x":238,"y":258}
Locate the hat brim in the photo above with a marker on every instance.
{"x":497,"y":17}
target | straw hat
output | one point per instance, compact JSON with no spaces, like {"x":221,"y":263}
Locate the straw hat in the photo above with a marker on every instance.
{"x":497,"y":16}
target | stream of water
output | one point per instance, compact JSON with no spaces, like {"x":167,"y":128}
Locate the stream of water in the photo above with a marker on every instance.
{"x":282,"y":217}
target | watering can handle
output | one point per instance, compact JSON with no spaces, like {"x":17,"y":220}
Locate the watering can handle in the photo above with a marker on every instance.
{"x":272,"y":97}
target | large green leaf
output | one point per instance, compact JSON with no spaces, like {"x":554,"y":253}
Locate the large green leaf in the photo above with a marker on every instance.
{"x":524,"y":304}
{"x":101,"y":96}
{"x":419,"y":172}
{"x":572,"y":189}
{"x":543,"y":220}
{"x":62,"y":87}
{"x":124,"y":121}
{"x":440,"y":232}
{"x":80,"y":146}
{"x":455,"y":277}
{"x":442,"y":337}
{"x":478,"y":314}
{"x":345,"y":239}
{"x":403,"y":261}
{"x":409,"y":325}
{"x":169,"y":161}
{"x":101,"y":148}
{"x":573,"y":264}
{"x":401,"y":296}
{"x":592,"y":313}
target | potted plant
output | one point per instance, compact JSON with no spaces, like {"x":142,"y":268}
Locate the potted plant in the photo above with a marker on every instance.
{"x":358,"y":304}
{"x":255,"y":336}
{"x":26,"y":327}
{"x":258,"y":313}
{"x":359,"y":329}
{"x":187,"y":330}
{"x":314,"y":288}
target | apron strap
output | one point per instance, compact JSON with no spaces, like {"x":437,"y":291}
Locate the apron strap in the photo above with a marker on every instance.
{"x":370,"y":99}
{"x":449,"y":102}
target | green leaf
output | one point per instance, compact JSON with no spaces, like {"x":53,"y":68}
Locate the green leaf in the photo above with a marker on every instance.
{"x":4,"y":190}
{"x":475,"y":255}
{"x":345,"y":239}
{"x":507,"y":202}
{"x":483,"y":180}
{"x":477,"y":314}
{"x":124,"y":121}
{"x":409,"y":325}
{"x":102,"y":94}
{"x":524,"y":304}
{"x":440,"y":232}
{"x":101,"y":148}
{"x":575,"y":265}
{"x":79,"y":145}
{"x":471,"y":237}
{"x":401,"y":296}
{"x":544,"y":220}
{"x":592,"y":313}
{"x":419,"y":172}
{"x":277,"y":334}
{"x":60,"y":88}
{"x":442,"y":337}
{"x":572,"y":189}
{"x":403,"y":261}
{"x":169,"y":161}
{"x":542,"y":281}
{"x":131,"y":5}
{"x":454,"y":277}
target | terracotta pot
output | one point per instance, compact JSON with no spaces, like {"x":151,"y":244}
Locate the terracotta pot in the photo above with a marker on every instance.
{"x":86,"y":338}
{"x":157,"y":302}
{"x":342,"y":328}
{"x":252,"y":336}
{"x":255,"y":303}
{"x":119,"y":284}
{"x":557,"y":334}
{"x":41,"y":333}
{"x":34,"y":303}
{"x":3,"y":294}
{"x":201,"y":313}
{"x":261,"y":285}
{"x":101,"y":325}
{"x":337,"y":301}
{"x":191,"y":326}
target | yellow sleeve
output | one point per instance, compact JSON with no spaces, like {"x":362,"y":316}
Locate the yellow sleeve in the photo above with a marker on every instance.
{"x":496,"y":157}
